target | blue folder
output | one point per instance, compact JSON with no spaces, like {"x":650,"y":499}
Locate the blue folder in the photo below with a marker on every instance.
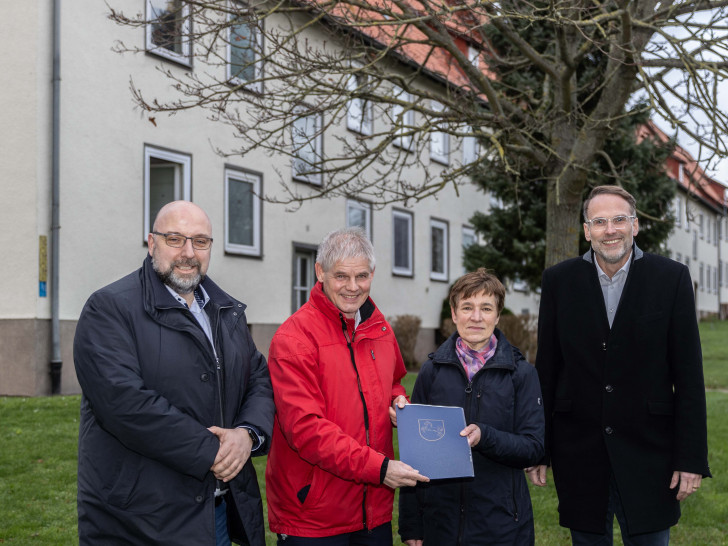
{"x":430,"y":441}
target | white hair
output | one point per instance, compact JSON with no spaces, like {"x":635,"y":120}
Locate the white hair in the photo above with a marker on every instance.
{"x":344,"y":244}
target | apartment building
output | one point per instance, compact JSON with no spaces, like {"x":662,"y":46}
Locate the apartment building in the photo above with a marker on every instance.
{"x":117,"y":166}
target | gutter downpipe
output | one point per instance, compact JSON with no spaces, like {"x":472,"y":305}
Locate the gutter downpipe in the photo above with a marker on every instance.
{"x":56,"y":363}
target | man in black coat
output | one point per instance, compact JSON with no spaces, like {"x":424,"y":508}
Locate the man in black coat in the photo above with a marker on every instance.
{"x":176,"y":398}
{"x":620,"y":366}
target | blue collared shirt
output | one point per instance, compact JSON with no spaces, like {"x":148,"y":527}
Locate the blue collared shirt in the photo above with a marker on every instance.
{"x":612,"y":288}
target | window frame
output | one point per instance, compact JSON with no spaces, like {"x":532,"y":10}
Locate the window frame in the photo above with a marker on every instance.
{"x":184,"y":58}
{"x":314,"y":178}
{"x":439,"y":224}
{"x":397,"y":270}
{"x":366,"y":208}
{"x":256,"y":179}
{"x":363,"y":123}
{"x":437,"y":155}
{"x":310,"y":251}
{"x":255,"y":86}
{"x":401,"y":140}
{"x":470,"y":149}
{"x":183,"y":160}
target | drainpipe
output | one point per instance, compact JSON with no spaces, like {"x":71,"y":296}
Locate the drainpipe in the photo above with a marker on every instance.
{"x":56,"y":363}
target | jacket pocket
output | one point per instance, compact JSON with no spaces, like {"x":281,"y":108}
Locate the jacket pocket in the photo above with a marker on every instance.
{"x":661,"y":408}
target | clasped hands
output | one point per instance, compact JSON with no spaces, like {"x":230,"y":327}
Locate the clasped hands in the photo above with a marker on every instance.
{"x":235,"y":448}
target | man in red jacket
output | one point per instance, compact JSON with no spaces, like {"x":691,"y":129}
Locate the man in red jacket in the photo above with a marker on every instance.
{"x":336,"y":370}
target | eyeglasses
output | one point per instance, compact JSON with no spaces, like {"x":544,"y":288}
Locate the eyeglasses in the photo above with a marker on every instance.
{"x":175,"y":240}
{"x":618,"y":222}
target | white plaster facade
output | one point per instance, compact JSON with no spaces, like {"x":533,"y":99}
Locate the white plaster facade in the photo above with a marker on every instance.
{"x":102,"y":143}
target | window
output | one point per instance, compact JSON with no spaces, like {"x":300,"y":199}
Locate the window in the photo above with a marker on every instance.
{"x":715,"y":280}
{"x":707,"y":277}
{"x":244,"y":50}
{"x":304,"y":274}
{"x":471,"y":150}
{"x":720,"y":272}
{"x":439,"y":141}
{"x":168,"y":30}
{"x":242,"y":212}
{"x":469,"y":238}
{"x":403,"y":118}
{"x":358,"y":110}
{"x":402,"y":251}
{"x":167,"y":178}
{"x":474,"y":56}
{"x":700,"y":225}
{"x":307,"y":145}
{"x":701,"y":281}
{"x":678,"y":210}
{"x":709,"y":229}
{"x":359,"y":214}
{"x":680,"y":172}
{"x":695,"y":245}
{"x":439,"y":250}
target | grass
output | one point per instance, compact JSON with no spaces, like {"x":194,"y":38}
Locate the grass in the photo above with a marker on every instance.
{"x":38,"y":468}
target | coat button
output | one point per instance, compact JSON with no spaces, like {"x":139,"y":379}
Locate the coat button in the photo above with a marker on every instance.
{"x":205,"y":377}
{"x":235,"y":313}
{"x":609,"y":388}
{"x":604,"y":345}
{"x":608,"y":430}
{"x":384,"y":328}
{"x":199,"y":499}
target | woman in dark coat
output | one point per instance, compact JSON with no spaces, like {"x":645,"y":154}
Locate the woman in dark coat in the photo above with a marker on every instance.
{"x":478,"y":370}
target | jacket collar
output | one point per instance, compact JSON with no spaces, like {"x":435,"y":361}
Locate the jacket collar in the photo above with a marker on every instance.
{"x":319,"y":300}
{"x":504,"y":356}
{"x":156,"y":295}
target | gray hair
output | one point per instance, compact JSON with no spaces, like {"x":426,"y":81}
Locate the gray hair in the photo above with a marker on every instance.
{"x":344,"y":244}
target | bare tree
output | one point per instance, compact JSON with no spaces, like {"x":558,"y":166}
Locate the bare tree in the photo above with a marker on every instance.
{"x":423,"y":67}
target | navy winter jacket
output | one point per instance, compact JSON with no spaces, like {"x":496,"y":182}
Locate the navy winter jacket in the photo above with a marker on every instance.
{"x":504,"y":400}
{"x":151,"y":387}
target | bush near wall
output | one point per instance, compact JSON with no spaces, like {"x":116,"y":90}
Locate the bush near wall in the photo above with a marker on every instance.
{"x":406,"y":329}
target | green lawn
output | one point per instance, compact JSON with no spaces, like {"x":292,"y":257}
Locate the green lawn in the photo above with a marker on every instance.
{"x":38,"y":467}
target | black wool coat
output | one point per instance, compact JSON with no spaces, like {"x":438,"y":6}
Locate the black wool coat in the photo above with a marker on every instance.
{"x":504,"y":400}
{"x":151,"y":388}
{"x":628,"y":400}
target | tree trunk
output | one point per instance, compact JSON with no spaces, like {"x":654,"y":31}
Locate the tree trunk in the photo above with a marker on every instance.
{"x":563,"y":218}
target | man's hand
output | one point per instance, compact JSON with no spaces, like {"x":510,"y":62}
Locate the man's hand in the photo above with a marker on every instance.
{"x":413,"y":542}
{"x":401,"y":474}
{"x":473,"y":434}
{"x":235,"y":447}
{"x":400,"y":402}
{"x":537,"y":474}
{"x":689,"y":483}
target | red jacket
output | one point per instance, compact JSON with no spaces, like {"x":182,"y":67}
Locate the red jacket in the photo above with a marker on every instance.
{"x":322,"y":478}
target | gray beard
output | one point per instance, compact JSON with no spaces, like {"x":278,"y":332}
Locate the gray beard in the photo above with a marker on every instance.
{"x":175,"y":282}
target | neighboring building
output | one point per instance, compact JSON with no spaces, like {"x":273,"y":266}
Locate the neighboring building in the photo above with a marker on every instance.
{"x":700,"y":237}
{"x":118,"y":167}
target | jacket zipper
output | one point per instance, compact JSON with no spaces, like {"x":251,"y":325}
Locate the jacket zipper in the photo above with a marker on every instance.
{"x":463,"y":498}
{"x":349,"y":343}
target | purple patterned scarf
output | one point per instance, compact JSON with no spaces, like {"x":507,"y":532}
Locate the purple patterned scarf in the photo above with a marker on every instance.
{"x":472,"y":360}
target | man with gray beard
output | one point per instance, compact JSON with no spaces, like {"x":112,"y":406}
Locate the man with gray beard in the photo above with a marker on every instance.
{"x":176,"y":399}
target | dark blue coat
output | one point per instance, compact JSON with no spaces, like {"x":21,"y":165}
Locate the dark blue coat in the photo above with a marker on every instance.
{"x":504,"y":399}
{"x":150,"y":390}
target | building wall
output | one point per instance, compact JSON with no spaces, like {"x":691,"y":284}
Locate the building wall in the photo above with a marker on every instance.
{"x":102,"y":196}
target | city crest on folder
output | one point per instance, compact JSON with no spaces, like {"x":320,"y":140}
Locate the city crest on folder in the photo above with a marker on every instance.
{"x":431,"y":430}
